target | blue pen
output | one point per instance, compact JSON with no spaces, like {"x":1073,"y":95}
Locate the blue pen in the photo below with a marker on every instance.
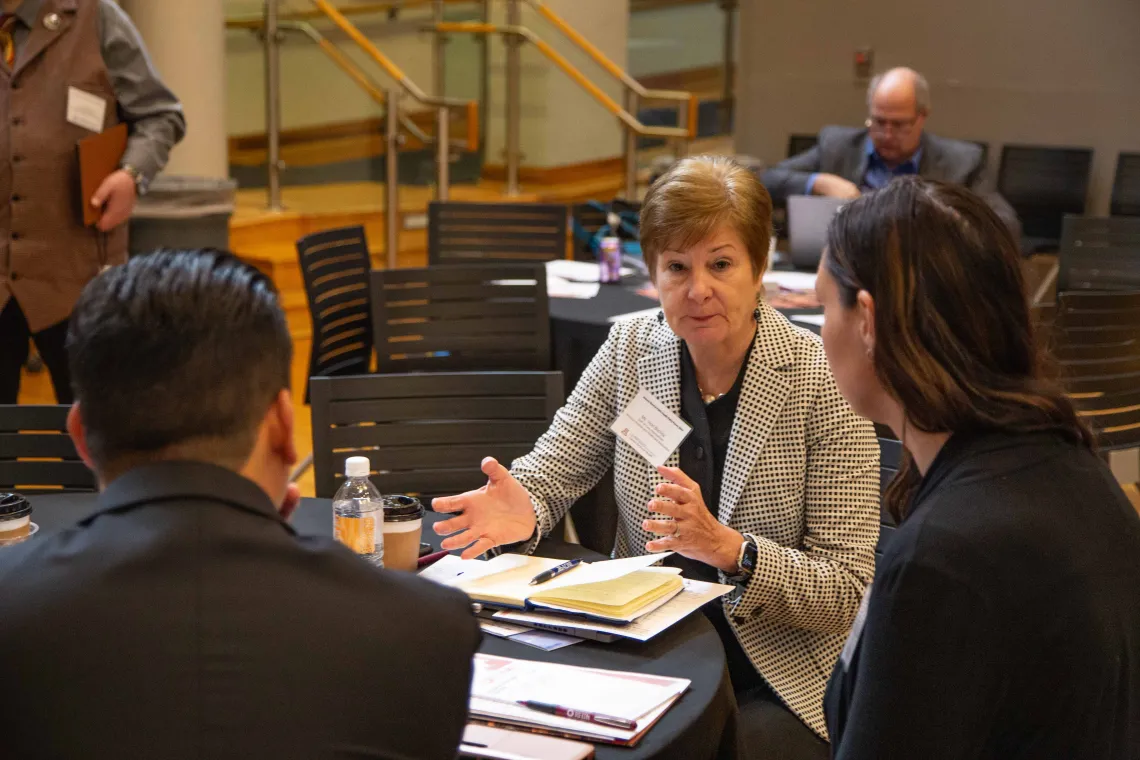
{"x":554,"y":572}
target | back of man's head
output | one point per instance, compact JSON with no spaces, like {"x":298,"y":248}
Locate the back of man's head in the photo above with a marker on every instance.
{"x":177,"y":355}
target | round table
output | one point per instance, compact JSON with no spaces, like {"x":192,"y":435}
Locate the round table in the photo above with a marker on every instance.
{"x":702,"y":724}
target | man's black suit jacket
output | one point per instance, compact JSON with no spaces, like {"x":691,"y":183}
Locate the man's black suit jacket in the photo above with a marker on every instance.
{"x":186,"y":619}
{"x":842,"y":151}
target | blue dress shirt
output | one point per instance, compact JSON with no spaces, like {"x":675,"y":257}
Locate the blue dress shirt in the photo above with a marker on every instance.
{"x":878,"y":174}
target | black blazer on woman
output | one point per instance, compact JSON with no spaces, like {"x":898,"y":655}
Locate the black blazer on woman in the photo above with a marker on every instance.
{"x":1004,"y":620}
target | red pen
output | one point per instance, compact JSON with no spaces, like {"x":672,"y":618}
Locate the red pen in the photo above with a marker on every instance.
{"x":572,"y":714}
{"x":429,"y":559}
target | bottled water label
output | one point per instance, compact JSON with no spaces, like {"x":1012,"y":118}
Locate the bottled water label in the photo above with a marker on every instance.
{"x":361,"y":530}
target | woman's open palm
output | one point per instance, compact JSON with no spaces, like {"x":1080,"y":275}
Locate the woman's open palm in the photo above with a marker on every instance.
{"x":496,"y":514}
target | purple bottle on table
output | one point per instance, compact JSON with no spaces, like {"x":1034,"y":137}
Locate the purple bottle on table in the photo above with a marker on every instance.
{"x":609,"y":260}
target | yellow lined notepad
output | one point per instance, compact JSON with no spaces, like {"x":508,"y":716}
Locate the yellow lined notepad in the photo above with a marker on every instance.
{"x":617,"y":598}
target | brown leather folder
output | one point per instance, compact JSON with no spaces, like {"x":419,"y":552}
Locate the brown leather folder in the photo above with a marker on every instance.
{"x":99,"y":157}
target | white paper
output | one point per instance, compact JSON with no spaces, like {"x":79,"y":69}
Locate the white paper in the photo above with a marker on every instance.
{"x":650,"y":428}
{"x":793,"y":281}
{"x":577,"y":271}
{"x":606,"y":570}
{"x":86,"y":110}
{"x":809,"y":319}
{"x":622,"y":695}
{"x":501,"y":629}
{"x":695,"y":595}
{"x":545,"y":640}
{"x":450,"y":569}
{"x":635,"y":314}
{"x":556,"y":287}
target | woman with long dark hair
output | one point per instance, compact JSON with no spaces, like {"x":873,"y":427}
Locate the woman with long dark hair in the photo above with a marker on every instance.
{"x":1004,"y":618}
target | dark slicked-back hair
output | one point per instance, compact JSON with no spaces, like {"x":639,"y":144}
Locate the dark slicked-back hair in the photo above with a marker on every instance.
{"x":177,"y":354}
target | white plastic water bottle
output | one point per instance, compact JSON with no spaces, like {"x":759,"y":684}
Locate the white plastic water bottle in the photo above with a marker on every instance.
{"x":358,"y":512}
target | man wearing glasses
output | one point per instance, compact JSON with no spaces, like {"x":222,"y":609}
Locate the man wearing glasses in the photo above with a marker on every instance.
{"x":848,"y":161}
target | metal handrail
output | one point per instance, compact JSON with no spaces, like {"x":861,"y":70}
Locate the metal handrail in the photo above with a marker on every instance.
{"x":611,"y":105}
{"x":603,"y":60}
{"x":364,"y":9}
{"x":358,"y":75}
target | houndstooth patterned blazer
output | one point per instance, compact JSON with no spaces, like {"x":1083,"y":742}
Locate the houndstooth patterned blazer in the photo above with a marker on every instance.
{"x":802,"y":475}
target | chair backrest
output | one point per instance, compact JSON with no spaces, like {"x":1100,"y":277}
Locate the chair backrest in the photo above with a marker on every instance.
{"x":427,"y":433}
{"x":1043,"y":184}
{"x":1096,"y":341}
{"x":589,"y":218}
{"x":798,"y":144}
{"x":985,"y":146}
{"x":335,"y":265}
{"x":1126,"y":186}
{"x":495,"y":233}
{"x":1099,"y":254}
{"x":461,"y":318}
{"x":36,"y":453}
{"x":890,"y":455}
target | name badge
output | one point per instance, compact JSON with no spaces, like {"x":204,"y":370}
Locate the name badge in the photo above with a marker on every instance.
{"x":650,"y":429}
{"x":86,"y":110}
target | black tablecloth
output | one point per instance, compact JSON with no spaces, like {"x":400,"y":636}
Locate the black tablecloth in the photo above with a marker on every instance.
{"x":701,"y":725}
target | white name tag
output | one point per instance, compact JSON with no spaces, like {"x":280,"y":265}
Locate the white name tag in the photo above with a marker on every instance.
{"x":86,"y":110}
{"x":650,"y":429}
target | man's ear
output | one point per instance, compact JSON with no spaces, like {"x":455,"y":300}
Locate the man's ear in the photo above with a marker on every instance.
{"x":281,"y":428}
{"x":78,"y":432}
{"x":866,"y":306}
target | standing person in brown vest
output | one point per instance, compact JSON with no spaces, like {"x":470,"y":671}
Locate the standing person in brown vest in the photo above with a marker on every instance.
{"x":68,"y":69}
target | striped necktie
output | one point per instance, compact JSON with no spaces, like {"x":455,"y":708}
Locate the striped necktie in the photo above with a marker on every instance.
{"x":7,"y":42}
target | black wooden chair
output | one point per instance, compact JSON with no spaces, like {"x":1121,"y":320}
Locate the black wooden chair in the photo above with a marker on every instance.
{"x":1126,"y":186}
{"x":1043,"y":184}
{"x":335,"y":265}
{"x":36,"y":453}
{"x":798,"y":144}
{"x":426,"y":434}
{"x":1096,"y":341}
{"x":495,"y":233}
{"x":1099,"y":253}
{"x":461,"y":318}
{"x":890,"y":456}
{"x":589,"y":218}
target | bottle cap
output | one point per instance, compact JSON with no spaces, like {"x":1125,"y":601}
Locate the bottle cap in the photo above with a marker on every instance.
{"x":357,"y":467}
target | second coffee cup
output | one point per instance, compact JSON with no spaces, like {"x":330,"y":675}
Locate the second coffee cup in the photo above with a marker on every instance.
{"x":403,"y":524}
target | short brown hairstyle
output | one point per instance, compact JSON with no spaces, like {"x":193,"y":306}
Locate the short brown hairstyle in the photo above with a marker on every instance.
{"x":697,"y":195}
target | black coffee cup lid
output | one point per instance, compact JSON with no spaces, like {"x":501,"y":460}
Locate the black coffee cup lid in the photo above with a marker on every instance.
{"x":402,"y":508}
{"x":13,"y":505}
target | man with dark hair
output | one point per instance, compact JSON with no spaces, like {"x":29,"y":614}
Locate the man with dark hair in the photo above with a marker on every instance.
{"x":185,"y":618}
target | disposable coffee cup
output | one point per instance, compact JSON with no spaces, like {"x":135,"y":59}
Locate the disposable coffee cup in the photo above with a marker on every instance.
{"x":15,"y":519}
{"x":403,"y":525}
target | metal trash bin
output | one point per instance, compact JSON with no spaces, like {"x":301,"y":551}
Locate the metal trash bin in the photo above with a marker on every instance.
{"x":183,"y":212}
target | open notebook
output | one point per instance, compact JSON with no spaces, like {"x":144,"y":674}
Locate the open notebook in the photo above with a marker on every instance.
{"x":617,"y":591}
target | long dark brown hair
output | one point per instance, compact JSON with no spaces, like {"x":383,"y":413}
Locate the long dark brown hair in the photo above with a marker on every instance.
{"x":954,"y":342}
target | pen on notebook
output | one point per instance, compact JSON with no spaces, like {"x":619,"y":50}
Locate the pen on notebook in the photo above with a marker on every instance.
{"x":588,"y":717}
{"x":554,"y":572}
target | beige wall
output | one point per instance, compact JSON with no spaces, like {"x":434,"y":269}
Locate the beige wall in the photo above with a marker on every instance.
{"x":561,"y":123}
{"x":1063,"y":72}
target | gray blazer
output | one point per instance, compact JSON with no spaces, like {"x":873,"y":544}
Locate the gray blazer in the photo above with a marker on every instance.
{"x":841,"y":151}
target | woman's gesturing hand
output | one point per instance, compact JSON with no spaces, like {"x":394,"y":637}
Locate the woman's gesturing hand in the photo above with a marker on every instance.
{"x":498,"y":513}
{"x":693,"y":531}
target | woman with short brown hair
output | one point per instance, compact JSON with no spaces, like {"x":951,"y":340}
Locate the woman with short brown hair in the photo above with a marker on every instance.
{"x":1004,"y":621}
{"x":775,"y":490}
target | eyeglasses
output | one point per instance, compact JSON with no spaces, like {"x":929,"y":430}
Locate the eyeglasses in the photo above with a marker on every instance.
{"x":882,"y":126}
